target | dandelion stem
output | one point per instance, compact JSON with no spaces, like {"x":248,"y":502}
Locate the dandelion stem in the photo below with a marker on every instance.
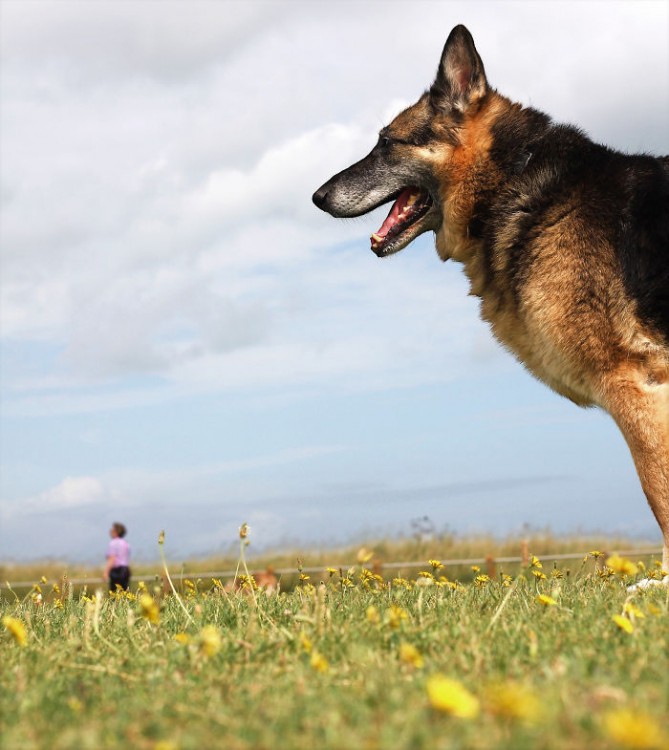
{"x":96,"y":622}
{"x":242,"y":560}
{"x":243,"y":541}
{"x":9,"y":586}
{"x":502,"y":604}
{"x":161,"y":541}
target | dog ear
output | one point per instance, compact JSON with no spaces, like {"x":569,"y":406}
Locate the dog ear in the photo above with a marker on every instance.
{"x":460,"y":79}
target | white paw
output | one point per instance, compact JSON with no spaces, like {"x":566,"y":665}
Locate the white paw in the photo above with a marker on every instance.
{"x":646,"y":583}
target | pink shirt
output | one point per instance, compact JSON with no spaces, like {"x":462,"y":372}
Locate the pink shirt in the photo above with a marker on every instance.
{"x":119,"y":549}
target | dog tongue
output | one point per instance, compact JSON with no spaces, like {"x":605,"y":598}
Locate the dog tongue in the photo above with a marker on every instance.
{"x":405,"y":198}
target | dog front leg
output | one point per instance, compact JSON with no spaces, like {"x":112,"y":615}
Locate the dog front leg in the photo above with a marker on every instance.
{"x":640,"y":407}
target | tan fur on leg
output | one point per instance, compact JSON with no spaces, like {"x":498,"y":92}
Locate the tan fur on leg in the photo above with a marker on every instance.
{"x":640,"y":406}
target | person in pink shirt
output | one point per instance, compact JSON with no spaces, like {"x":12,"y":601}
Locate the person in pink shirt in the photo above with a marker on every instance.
{"x":117,"y":569}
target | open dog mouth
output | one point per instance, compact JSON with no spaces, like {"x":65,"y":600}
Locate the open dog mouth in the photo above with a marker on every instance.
{"x":403,"y":223}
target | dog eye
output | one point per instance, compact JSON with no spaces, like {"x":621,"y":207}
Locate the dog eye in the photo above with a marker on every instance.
{"x":384,"y":141}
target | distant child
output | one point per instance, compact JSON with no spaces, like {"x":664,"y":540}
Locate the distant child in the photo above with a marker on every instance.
{"x":117,"y":569}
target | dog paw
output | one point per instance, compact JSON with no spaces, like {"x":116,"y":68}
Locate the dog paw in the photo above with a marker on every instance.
{"x":647,"y":583}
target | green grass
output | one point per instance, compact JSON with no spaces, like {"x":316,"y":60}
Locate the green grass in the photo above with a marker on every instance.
{"x":327,"y":667}
{"x":444,"y":545}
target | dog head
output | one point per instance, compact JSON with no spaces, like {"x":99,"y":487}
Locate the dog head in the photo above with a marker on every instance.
{"x":417,"y":156}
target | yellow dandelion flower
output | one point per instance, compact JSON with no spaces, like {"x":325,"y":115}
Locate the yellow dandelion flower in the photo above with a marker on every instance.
{"x":149,"y":609}
{"x":372,"y":615}
{"x":535,"y":562}
{"x":331,"y":571}
{"x":539,"y":575}
{"x":16,"y":628}
{"x":436,"y":564}
{"x":366,"y":576}
{"x":654,"y":610}
{"x":75,"y":705}
{"x":410,"y":655}
{"x":482,"y":580}
{"x":623,"y":623}
{"x":364,"y":555}
{"x":546,"y":600}
{"x":513,"y":701}
{"x":43,"y":579}
{"x":396,"y":615}
{"x":318,"y":662}
{"x":182,"y":638}
{"x":450,"y":697}
{"x":209,"y":640}
{"x":635,"y":730}
{"x":165,"y":745}
{"x":305,"y":643}
{"x":596,"y":554}
{"x":633,"y":611}
{"x":476,"y":569}
{"x":58,"y":603}
{"x":249,"y":582}
{"x":402,"y":582}
{"x":621,"y":565}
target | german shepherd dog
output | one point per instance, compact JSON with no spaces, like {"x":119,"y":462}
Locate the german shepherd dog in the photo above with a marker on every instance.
{"x":565,"y":241}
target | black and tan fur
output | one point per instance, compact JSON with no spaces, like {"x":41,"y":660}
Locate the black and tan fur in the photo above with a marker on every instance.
{"x":565,"y":241}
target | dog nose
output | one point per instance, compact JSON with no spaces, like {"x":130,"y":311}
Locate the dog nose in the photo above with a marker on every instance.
{"x":320,"y":197}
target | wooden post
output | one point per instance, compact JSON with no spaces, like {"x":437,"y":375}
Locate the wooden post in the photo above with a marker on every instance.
{"x":492,"y":568}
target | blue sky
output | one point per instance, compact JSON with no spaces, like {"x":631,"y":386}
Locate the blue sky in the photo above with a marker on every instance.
{"x":187,"y":343}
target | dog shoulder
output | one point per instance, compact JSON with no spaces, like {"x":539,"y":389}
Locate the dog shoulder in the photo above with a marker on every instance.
{"x":608,"y":208}
{"x":643,"y":238}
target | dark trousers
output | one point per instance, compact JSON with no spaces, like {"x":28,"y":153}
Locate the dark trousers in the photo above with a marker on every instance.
{"x":119,"y":575}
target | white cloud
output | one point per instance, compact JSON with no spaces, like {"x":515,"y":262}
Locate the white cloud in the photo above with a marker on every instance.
{"x":240,"y":264}
{"x":72,"y":492}
{"x":113,"y":41}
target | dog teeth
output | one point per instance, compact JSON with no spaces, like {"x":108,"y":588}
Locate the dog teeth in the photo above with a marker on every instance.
{"x":377,"y":238}
{"x":411,"y":200}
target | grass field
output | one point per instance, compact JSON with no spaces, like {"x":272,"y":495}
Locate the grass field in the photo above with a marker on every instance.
{"x":548,"y":658}
{"x":415,"y":546}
